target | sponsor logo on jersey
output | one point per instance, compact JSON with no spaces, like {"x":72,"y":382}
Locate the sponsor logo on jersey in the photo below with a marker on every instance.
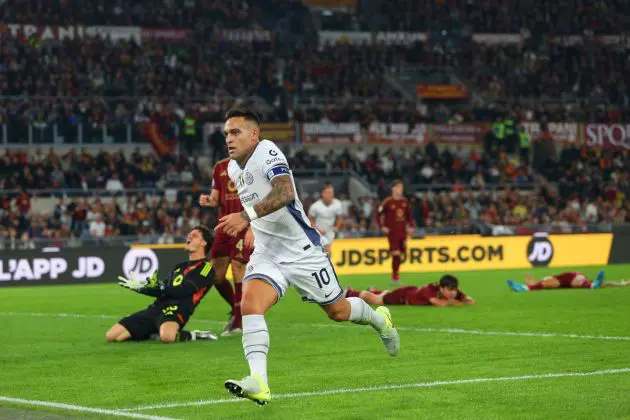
{"x":273,"y":153}
{"x":248,"y":198}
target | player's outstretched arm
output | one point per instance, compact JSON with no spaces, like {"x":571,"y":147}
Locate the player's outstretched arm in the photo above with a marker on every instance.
{"x":148,"y":287}
{"x":445,"y":302}
{"x":281,"y":194}
{"x":469,"y":301}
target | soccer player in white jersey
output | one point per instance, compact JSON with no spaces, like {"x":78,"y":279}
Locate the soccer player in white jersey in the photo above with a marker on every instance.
{"x":287,"y":251}
{"x":326,"y":216}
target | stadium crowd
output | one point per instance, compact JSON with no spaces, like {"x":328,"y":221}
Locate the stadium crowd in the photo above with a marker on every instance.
{"x":563,"y":17}
{"x":495,"y":16}
{"x":147,"y":13}
{"x":96,"y":83}
{"x":110,"y":82}
{"x":457,"y":190}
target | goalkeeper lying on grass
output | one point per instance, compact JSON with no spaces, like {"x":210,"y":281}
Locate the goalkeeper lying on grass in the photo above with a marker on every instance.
{"x":176,"y":300}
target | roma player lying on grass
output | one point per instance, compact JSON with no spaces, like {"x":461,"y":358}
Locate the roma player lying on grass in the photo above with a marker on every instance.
{"x":444,"y":293}
{"x":568,"y":280}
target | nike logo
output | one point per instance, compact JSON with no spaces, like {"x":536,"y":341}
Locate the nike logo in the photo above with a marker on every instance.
{"x":328,"y":294}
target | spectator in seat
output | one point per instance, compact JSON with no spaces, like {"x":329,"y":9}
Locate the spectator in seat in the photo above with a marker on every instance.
{"x":114,"y":185}
{"x":97,"y":227}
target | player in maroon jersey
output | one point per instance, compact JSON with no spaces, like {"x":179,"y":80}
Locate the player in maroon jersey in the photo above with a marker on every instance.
{"x":227,"y":249}
{"x":396,"y":220}
{"x":444,"y":293}
{"x":568,"y":280}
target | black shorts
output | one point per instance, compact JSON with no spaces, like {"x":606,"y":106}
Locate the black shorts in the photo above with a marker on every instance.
{"x":148,"y":321}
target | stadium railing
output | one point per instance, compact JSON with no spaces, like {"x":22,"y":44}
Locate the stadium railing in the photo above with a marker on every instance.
{"x":116,"y":241}
{"x":420,"y":189}
{"x":57,"y":134}
{"x":100,"y":192}
{"x":476,"y":228}
{"x":316,"y":176}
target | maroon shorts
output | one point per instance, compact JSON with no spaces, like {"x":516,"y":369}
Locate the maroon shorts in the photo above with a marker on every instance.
{"x":399,"y":296}
{"x":233,"y":247}
{"x":565,"y":279}
{"x":565,"y":282}
{"x":397,"y":243}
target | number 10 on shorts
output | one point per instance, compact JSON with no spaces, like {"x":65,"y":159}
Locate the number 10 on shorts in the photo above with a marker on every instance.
{"x":322,"y":278}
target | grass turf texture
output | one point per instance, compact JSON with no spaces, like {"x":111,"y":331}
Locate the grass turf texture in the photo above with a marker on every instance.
{"x":64,"y":359}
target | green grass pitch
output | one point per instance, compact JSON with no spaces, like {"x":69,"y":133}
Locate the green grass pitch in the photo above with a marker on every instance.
{"x":52,"y":349}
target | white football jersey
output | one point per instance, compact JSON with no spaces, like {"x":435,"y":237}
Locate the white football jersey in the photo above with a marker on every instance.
{"x":285,"y":235}
{"x":325,"y":217}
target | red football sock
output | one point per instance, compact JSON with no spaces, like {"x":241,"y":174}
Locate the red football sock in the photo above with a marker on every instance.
{"x":375,"y":291}
{"x":352,"y":293}
{"x":227,"y":293}
{"x":396,"y":264}
{"x":536,"y":286}
{"x":586,"y":284}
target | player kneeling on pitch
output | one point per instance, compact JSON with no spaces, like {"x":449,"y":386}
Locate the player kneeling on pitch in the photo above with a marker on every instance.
{"x":569,"y":280}
{"x":444,"y":293}
{"x":177,"y":297}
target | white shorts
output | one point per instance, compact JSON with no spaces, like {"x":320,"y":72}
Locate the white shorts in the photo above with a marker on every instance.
{"x":313,"y":276}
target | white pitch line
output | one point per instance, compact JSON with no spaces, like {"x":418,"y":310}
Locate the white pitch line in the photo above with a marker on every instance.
{"x":384,"y":388}
{"x":80,"y":408}
{"x":331,"y":325}
{"x":519,"y":334}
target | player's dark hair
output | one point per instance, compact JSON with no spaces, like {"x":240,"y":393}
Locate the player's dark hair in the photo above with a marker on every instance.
{"x":396,"y":182}
{"x":246,"y":113}
{"x":207,"y":236}
{"x":327,"y":185}
{"x":448,"y":281}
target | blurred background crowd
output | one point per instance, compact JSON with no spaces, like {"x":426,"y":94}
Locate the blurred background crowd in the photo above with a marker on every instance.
{"x":557,"y":61}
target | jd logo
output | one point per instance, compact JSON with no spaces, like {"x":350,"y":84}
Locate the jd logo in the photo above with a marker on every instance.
{"x":540,"y":250}
{"x":142,"y":261}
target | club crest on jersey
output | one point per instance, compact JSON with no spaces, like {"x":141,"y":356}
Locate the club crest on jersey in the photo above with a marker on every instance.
{"x":249,"y":178}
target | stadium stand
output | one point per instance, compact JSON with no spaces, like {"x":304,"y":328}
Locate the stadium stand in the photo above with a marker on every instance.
{"x":109,"y":195}
{"x":494,"y":16}
{"x":97,"y":90}
{"x":149,"y":13}
{"x":119,"y":82}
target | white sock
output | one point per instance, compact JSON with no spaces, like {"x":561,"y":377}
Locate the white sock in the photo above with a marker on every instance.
{"x":256,"y":344}
{"x":362,"y":313}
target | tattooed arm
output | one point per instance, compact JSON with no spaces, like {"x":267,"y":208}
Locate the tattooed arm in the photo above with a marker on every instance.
{"x":281,"y":194}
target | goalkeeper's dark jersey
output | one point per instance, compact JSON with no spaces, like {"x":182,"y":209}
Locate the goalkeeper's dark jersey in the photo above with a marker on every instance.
{"x":188,"y":283}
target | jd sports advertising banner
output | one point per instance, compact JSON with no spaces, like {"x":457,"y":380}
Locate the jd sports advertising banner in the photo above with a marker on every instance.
{"x":84,"y":265}
{"x":350,"y":256}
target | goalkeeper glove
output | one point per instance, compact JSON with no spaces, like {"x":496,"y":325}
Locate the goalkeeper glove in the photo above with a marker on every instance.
{"x":131,"y":282}
{"x":153,"y":282}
